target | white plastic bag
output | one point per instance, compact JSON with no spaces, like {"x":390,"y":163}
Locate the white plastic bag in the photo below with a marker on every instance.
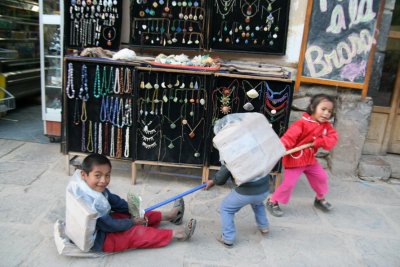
{"x":83,"y":207}
{"x":247,"y":145}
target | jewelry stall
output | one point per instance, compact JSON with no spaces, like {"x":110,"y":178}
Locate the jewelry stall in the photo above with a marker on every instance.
{"x":157,"y":113}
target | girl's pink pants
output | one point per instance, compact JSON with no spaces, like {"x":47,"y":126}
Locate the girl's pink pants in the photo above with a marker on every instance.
{"x":315,"y":174}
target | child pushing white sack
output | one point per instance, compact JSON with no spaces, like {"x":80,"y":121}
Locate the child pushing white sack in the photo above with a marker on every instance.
{"x":247,"y":145}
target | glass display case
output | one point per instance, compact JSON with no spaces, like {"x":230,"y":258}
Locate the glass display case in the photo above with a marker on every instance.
{"x":51,"y":55}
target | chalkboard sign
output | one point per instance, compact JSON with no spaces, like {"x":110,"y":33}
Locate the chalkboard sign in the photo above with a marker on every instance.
{"x":338,"y":42}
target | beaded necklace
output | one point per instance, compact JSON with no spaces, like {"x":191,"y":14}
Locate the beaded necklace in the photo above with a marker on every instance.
{"x":117,"y":84}
{"x":70,"y":82}
{"x":100,"y":141}
{"x":126,"y":151}
{"x":89,"y":147}
{"x":109,"y":105}
{"x":83,"y":137}
{"x":76,"y":115}
{"x":120,"y":118}
{"x":128,"y":81}
{"x":84,"y":90}
{"x":111,"y":80}
{"x":104,"y":83}
{"x":119,"y":143}
{"x":95,"y":137}
{"x":105,"y":146}
{"x":127,"y":119}
{"x":103,"y":109}
{"x":97,"y":85}
{"x":112,"y":151}
{"x":115,"y":111}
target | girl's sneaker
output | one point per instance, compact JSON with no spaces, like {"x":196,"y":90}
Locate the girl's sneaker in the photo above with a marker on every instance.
{"x":274,"y":208}
{"x":322,"y":204}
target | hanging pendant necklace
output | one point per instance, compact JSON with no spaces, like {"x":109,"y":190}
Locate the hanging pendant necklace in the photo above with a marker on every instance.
{"x":84,"y":89}
{"x":171,"y":141}
{"x":104,"y":82}
{"x":224,"y":7}
{"x":172,"y":124}
{"x":118,"y":154}
{"x":192,"y":130}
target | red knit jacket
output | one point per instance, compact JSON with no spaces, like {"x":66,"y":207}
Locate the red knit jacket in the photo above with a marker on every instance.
{"x":303,"y":131}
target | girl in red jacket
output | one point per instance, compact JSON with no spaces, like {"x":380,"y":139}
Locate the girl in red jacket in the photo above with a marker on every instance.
{"x":314,"y":127}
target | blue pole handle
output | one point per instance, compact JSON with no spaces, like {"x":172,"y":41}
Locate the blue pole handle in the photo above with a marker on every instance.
{"x":175,"y":197}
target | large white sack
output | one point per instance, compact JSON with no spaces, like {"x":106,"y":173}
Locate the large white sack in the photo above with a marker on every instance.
{"x":80,"y":219}
{"x":247,"y":145}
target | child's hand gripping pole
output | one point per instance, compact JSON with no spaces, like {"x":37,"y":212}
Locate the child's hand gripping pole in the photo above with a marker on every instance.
{"x":175,"y":197}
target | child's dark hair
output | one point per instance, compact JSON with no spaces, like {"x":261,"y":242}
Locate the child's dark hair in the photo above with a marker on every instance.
{"x":92,"y":160}
{"x":316,"y":99}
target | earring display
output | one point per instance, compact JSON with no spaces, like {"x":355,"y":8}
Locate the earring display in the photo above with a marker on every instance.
{"x":233,"y":95}
{"x":250,"y":25}
{"x":172,"y":116}
{"x":93,"y":23}
{"x":100,"y":116}
{"x":168,"y":23}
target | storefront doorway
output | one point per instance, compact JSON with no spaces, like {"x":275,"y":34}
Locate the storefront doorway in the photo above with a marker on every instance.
{"x":384,"y":131}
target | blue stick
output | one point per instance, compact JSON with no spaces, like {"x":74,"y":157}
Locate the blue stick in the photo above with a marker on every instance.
{"x":176,"y":197}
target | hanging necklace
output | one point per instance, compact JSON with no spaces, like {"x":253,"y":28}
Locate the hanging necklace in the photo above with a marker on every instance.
{"x":118,"y":154}
{"x":95,"y":137}
{"x":84,"y":90}
{"x":112,"y":148}
{"x":147,"y":139}
{"x":126,"y":151}
{"x":128,"y":81}
{"x":100,"y":141}
{"x":248,"y":12}
{"x":83,"y":137}
{"x":76,"y":116}
{"x":97,"y":85}
{"x":105,"y":146}
{"x":89,"y":147}
{"x":103,"y":109}
{"x":224,"y":7}
{"x":104,"y":83}
{"x":117,"y":85}
{"x":70,"y":82}
{"x":192,"y":130}
{"x":127,"y":119}
{"x":172,"y":124}
{"x":196,"y":151}
{"x":171,"y":141}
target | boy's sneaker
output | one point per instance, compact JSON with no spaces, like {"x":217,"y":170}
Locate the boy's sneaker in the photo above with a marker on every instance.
{"x":322,"y":204}
{"x":274,"y":208}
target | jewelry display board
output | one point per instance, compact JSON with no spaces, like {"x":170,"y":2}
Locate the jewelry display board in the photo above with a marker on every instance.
{"x":249,"y":25}
{"x":93,"y":23}
{"x":172,"y":108}
{"x":168,"y":23}
{"x":241,"y":93}
{"x":98,"y":102}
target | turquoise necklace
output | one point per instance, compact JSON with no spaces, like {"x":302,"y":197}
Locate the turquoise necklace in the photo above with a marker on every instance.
{"x":97,"y":85}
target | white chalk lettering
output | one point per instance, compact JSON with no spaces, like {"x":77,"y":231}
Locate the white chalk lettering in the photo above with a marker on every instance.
{"x":360,"y":11}
{"x":338,"y":21}
{"x":320,"y":64}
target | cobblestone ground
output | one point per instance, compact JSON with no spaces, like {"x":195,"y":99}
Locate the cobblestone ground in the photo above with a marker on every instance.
{"x":362,"y":230}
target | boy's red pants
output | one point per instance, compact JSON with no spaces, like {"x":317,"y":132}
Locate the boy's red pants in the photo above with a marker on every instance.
{"x":138,"y":236}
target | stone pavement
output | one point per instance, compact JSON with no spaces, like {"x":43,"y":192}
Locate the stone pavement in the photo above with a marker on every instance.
{"x":363,"y":229}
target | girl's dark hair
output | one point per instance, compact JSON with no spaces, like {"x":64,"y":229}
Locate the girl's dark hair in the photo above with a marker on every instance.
{"x":316,"y":99}
{"x":94,"y":159}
